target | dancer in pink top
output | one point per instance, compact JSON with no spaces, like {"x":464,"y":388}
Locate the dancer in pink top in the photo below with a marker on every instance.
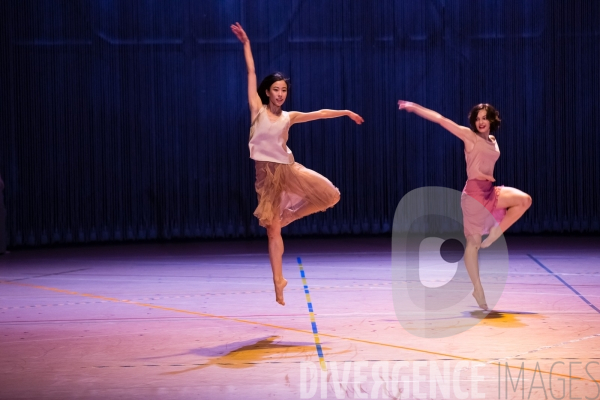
{"x":286,"y":190}
{"x":503,"y":206}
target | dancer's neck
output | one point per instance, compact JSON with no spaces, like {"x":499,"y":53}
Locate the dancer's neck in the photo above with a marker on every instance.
{"x":485,"y":136}
{"x":274,"y":109}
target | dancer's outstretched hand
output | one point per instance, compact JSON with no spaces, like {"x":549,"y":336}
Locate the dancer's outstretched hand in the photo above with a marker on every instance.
{"x":356,"y":118}
{"x":405,"y":105}
{"x":239,"y":32}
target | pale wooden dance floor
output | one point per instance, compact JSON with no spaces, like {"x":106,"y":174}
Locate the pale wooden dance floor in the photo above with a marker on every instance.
{"x":198,"y":320}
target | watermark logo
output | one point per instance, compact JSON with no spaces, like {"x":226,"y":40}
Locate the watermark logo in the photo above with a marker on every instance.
{"x":391,"y":380}
{"x":451,"y":379}
{"x":563,"y":380}
{"x":431,"y":284}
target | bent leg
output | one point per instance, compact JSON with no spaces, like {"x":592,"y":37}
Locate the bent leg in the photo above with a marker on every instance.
{"x":516,"y":202}
{"x":306,"y":192}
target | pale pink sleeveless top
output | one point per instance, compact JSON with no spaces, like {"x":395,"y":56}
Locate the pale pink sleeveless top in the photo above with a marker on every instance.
{"x":481,"y":159}
{"x":268,"y":139}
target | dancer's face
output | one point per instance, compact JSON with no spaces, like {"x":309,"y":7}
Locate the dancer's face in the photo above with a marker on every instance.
{"x":277,"y":93}
{"x":482,"y":123}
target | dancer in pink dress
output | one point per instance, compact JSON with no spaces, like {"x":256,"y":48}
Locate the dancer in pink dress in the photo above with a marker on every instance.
{"x":286,"y":190}
{"x":503,"y":206}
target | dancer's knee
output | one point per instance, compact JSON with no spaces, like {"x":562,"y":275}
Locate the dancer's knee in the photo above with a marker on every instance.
{"x":474,"y":242}
{"x":273,"y":232}
{"x":335,"y":198}
{"x":526,"y":201}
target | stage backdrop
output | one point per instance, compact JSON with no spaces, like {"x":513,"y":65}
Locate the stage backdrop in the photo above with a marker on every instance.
{"x":128,"y":120}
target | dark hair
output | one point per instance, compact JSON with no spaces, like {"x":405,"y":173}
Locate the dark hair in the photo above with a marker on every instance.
{"x":266,"y":85}
{"x":490,"y":113}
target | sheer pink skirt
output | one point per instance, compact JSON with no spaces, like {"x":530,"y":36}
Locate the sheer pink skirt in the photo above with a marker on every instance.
{"x":479,"y":203}
{"x":290,"y":192}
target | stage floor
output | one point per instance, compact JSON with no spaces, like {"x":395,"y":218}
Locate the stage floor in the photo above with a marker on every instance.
{"x":200,"y":321}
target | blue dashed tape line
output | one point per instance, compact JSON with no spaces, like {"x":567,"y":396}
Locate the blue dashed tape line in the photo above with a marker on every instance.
{"x":313,"y":323}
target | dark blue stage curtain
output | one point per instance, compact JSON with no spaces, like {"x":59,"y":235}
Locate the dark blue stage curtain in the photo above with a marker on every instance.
{"x":128,"y":120}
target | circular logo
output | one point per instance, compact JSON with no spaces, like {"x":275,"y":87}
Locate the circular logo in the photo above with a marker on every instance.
{"x":432,"y":287}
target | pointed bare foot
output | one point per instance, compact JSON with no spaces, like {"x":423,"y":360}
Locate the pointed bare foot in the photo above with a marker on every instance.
{"x":480,"y":298}
{"x":279,"y":286}
{"x":495,"y":233}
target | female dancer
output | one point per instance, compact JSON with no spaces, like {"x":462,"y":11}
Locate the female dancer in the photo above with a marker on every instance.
{"x":286,"y":190}
{"x":506,"y":205}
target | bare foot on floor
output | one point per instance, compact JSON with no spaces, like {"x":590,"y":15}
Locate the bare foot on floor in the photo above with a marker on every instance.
{"x":495,"y":233}
{"x":279,"y":286}
{"x":481,"y":302}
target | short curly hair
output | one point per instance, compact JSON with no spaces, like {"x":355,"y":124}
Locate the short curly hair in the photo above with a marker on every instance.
{"x":491,"y":114}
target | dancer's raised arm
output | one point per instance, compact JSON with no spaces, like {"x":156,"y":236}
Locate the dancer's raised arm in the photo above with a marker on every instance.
{"x":462,"y":132}
{"x":299,"y":117}
{"x":253,"y":98}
